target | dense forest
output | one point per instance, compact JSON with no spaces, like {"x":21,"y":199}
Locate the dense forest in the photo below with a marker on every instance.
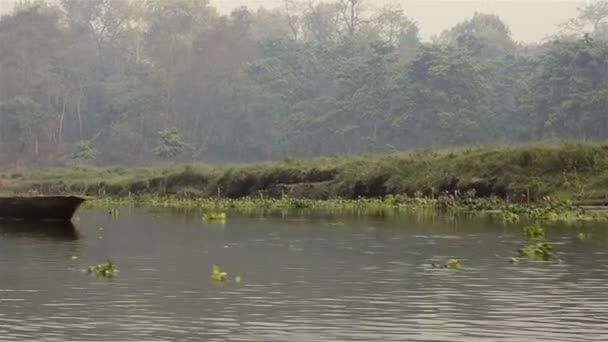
{"x":130,"y":81}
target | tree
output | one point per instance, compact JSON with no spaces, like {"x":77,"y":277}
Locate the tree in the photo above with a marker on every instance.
{"x":21,"y":125}
{"x":448,"y":98}
{"x":171,"y":144}
{"x":352,"y":15}
{"x":85,"y":151}
{"x":592,"y":19}
{"x":570,"y":89}
{"x":321,"y":23}
{"x":484,"y":35}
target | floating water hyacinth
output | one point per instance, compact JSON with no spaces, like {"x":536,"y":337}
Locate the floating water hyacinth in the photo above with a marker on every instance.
{"x":450,"y":264}
{"x":536,"y":251}
{"x":533,"y":232}
{"x":215,"y":217}
{"x":453,"y":264}
{"x":107,"y":270}
{"x":114,"y":212}
{"x":217,"y":275}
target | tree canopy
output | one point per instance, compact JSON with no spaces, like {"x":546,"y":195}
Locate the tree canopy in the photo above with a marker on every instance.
{"x":128,"y":81}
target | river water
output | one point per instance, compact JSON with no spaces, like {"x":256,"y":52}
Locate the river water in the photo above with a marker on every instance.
{"x":304,"y":278}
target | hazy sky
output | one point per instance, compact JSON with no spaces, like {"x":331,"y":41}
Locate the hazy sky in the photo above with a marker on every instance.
{"x":529,"y":20}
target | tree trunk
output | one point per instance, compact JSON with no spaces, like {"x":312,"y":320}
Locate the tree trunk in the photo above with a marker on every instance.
{"x":60,"y":135}
{"x":352,"y":18}
{"x":78,"y":111}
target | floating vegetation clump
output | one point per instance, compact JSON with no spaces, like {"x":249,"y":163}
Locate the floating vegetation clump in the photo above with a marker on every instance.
{"x":106,"y":270}
{"x":215,"y":217}
{"x":507,"y":211}
{"x":536,"y":251}
{"x":551,"y":212}
{"x":533,"y":232}
{"x":450,"y":264}
{"x":509,"y":217}
{"x":114,"y":212}
{"x":453,"y":264}
{"x":237,"y":279}
{"x":537,"y":248}
{"x":217,"y":275}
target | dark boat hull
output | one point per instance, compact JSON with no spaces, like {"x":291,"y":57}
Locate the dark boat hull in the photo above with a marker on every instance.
{"x":54,"y":208}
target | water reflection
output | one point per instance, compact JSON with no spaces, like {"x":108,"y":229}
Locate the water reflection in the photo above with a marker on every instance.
{"x":59,"y":230}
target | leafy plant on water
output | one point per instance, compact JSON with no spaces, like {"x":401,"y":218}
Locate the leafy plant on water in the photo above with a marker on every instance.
{"x":114,"y":212}
{"x":215,"y":217}
{"x":450,"y":264}
{"x":106,"y":270}
{"x":217,"y":275}
{"x":536,"y":251}
{"x":509,"y":217}
{"x":533,"y":232}
{"x":537,"y":248}
{"x":453,"y":264}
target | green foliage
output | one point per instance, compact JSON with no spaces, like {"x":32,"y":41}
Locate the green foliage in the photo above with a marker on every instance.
{"x":215,"y":217}
{"x":477,"y":179}
{"x":217,"y":275}
{"x":302,"y":81}
{"x":171,"y":144}
{"x":85,"y":150}
{"x":453,"y":264}
{"x":534,"y":232}
{"x":106,"y":270}
{"x":450,"y":264}
{"x":536,"y":251}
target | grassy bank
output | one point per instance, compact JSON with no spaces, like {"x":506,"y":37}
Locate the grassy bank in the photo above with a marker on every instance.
{"x":577,"y":172}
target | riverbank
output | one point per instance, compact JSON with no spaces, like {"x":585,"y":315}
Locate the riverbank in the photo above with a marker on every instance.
{"x":521,"y":174}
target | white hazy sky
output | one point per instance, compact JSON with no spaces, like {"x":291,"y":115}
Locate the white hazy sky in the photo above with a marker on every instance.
{"x":529,"y":20}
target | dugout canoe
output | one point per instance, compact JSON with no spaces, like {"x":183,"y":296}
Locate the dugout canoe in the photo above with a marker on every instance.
{"x":52,"y":208}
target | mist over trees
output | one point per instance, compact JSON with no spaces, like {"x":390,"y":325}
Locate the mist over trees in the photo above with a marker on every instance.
{"x":129,"y":81}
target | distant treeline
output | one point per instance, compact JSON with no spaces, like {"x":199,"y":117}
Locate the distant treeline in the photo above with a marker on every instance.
{"x":130,"y":81}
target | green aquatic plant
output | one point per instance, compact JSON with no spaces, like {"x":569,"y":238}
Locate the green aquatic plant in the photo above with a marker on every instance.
{"x":114,"y":212}
{"x":107,"y":270}
{"x":237,"y":279}
{"x":509,"y":217}
{"x":536,"y":251}
{"x":390,"y":205}
{"x":217,"y":275}
{"x":453,"y":264}
{"x":450,"y":264}
{"x":215,"y":217}
{"x":533,"y":232}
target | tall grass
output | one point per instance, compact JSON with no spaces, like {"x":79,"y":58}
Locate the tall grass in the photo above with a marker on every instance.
{"x":533,"y":171}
